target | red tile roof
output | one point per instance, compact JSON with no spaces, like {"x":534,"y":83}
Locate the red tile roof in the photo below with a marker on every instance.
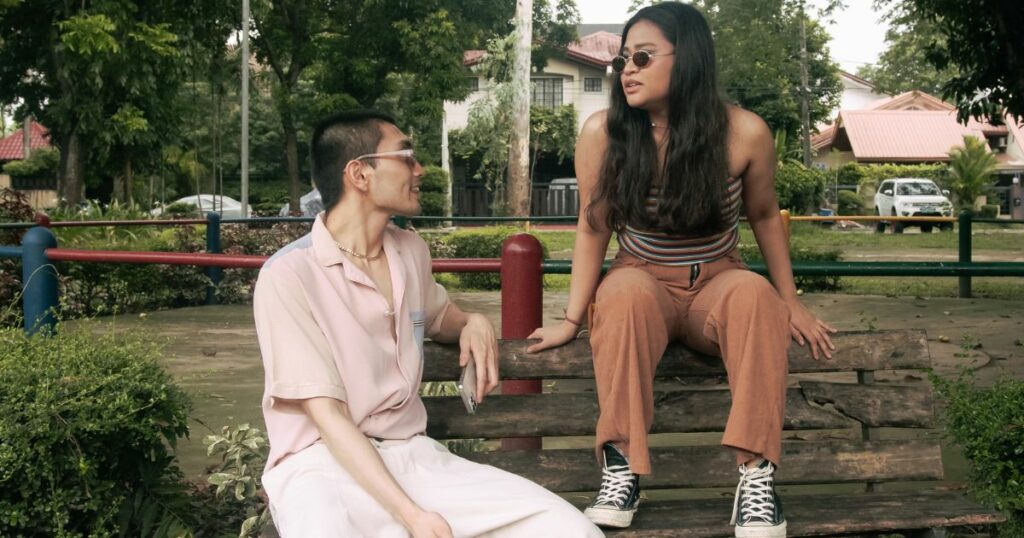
{"x":905,"y":135}
{"x":596,"y":49}
{"x":12,"y":147}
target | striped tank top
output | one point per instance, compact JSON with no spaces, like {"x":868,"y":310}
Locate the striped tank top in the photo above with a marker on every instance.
{"x":665,"y":249}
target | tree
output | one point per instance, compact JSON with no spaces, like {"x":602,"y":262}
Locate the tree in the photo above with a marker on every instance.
{"x":904,"y":65}
{"x":99,"y":76}
{"x":982,"y":42}
{"x":971,"y":167}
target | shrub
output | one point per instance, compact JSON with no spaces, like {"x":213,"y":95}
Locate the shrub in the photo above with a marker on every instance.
{"x":752,"y":254}
{"x":13,"y":208}
{"x":42,"y":162}
{"x":988,"y":423}
{"x":799,"y":189}
{"x":181,"y":208}
{"x":233,"y":505}
{"x":988,"y":211}
{"x":478,"y":243}
{"x":850,"y":174}
{"x":434,"y":179}
{"x":850,"y":203}
{"x":86,"y":438}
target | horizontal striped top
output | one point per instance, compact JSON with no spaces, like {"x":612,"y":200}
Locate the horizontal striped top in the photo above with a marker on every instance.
{"x":666,"y":249}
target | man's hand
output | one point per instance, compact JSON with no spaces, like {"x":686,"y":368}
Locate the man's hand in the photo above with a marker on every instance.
{"x":428,"y":525}
{"x":479,"y":344}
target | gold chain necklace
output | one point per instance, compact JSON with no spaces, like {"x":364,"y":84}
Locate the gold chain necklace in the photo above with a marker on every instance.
{"x":366,"y":257}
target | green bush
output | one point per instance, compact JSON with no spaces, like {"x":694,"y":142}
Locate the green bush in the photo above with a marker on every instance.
{"x":178,"y":209}
{"x":86,"y":438}
{"x":42,"y":162}
{"x":476,"y":243}
{"x":850,"y":203}
{"x":799,"y":189}
{"x":434,"y":179}
{"x":988,"y":211}
{"x":750,"y":253}
{"x":14,"y":207}
{"x":850,"y":174}
{"x":988,"y":424}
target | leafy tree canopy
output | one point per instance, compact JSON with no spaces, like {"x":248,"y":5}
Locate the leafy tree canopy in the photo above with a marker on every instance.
{"x":904,"y":65}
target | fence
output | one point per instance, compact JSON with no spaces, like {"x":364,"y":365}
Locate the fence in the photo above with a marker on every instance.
{"x":559,"y":200}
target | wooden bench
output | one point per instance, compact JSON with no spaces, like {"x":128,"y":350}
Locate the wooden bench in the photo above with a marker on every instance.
{"x":843,"y":428}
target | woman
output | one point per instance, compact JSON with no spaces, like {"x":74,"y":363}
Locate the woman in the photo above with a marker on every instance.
{"x":668,"y":167}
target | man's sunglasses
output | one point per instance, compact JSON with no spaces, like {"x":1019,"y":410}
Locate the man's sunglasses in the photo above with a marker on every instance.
{"x":408,"y":155}
{"x":639,"y":58}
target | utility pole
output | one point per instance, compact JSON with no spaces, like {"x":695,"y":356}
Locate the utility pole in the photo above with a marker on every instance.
{"x":518,"y":192}
{"x":446,"y":166}
{"x":245,"y":108}
{"x":805,"y":115}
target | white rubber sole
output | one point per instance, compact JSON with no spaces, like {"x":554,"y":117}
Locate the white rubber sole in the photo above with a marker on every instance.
{"x":607,"y":517}
{"x":778,"y":531}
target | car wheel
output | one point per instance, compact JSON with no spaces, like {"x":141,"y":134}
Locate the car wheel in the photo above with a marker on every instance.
{"x":879,"y":225}
{"x":926,"y":228}
{"x":897,"y":227}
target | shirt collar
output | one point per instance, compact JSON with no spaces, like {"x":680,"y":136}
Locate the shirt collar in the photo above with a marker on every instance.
{"x":326,"y":249}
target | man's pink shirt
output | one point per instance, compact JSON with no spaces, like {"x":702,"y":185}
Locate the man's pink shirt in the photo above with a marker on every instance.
{"x":325,"y":330}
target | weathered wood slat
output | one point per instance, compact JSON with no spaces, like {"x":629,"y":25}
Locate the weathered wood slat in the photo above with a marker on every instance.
{"x":877,"y":350}
{"x":560,"y":414}
{"x":872,"y":405}
{"x":819,"y":515}
{"x":714,"y":466}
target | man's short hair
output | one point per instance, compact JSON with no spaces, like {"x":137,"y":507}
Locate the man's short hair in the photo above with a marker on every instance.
{"x":337,"y":140}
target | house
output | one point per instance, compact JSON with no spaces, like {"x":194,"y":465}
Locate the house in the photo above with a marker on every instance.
{"x":581,"y":78}
{"x":915,"y":128}
{"x":41,"y":192}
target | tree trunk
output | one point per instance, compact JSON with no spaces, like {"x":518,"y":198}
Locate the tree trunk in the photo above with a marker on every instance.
{"x":129,"y":178}
{"x":291,"y":142}
{"x":518,"y":194}
{"x":70,"y":173}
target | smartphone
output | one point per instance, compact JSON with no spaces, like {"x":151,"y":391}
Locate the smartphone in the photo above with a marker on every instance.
{"x":467,"y":387}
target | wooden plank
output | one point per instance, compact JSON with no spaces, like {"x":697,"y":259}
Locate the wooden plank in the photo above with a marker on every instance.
{"x":561,"y":414}
{"x":871,"y":405}
{"x":818,"y":515}
{"x":876,"y":350}
{"x":714,"y":466}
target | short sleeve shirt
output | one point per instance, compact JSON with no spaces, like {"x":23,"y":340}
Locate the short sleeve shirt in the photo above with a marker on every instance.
{"x":325,"y":331}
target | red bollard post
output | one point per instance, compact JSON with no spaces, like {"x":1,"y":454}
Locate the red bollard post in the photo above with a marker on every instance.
{"x":522,"y":298}
{"x":42,"y":219}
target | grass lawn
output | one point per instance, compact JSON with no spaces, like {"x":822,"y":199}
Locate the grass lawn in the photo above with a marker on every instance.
{"x":991,"y":237}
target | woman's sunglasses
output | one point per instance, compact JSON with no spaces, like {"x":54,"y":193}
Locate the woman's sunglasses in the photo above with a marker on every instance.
{"x":639,"y":58}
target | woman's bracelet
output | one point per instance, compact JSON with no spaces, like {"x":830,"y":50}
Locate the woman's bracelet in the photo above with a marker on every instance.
{"x":570,"y":320}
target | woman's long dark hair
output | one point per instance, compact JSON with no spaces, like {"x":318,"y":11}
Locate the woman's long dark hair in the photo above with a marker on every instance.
{"x":696,"y":161}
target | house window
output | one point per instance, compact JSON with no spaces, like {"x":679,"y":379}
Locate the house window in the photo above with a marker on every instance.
{"x":547,"y":92}
{"x":473,"y":83}
{"x":592,"y":84}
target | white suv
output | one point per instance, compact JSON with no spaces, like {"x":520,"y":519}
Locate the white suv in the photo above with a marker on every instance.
{"x":912,"y":197}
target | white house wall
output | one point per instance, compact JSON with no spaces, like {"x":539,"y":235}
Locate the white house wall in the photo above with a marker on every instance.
{"x":572,"y":75}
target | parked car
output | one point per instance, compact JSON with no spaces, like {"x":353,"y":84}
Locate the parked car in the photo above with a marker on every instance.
{"x":229,"y":208}
{"x":310,"y":204}
{"x":912,"y":197}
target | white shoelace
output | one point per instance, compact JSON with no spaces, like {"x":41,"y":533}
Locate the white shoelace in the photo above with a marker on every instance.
{"x":758,"y":497}
{"x":616,"y":483}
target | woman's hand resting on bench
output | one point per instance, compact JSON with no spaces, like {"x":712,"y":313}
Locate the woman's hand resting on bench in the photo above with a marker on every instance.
{"x":557,"y":335}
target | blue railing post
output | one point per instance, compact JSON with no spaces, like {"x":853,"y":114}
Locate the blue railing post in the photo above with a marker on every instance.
{"x":39,"y":281}
{"x":215,"y":274}
{"x":965,"y":251}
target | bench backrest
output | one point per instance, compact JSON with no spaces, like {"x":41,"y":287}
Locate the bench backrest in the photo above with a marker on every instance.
{"x":832,"y":412}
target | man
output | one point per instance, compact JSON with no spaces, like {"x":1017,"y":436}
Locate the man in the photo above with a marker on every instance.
{"x":341,"y":315}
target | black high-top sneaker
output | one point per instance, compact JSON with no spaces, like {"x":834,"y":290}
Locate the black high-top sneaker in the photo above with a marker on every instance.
{"x":757,"y":509}
{"x":620,"y":492}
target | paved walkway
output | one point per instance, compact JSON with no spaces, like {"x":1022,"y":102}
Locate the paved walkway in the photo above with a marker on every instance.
{"x":213,"y":353}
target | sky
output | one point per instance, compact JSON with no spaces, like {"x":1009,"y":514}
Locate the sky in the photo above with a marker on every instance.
{"x":858,"y":36}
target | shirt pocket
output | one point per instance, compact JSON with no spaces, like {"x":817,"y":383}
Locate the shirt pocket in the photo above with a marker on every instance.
{"x":419,"y":321}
